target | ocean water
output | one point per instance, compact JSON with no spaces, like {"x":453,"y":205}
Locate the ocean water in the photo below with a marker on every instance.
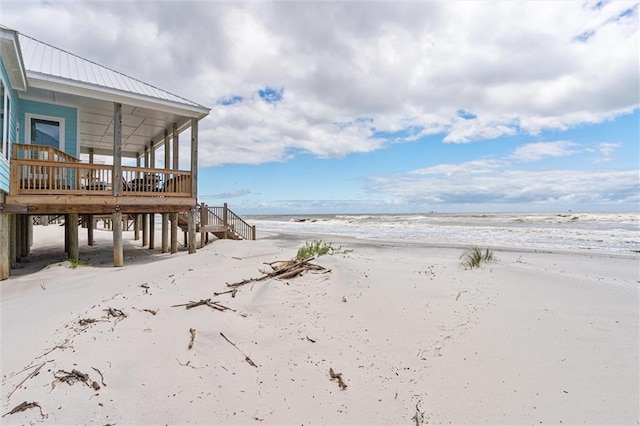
{"x":602,"y":232}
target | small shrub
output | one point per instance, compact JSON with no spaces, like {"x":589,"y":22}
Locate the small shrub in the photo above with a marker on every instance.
{"x":314,"y":249}
{"x":76,"y":263}
{"x":474,"y":257}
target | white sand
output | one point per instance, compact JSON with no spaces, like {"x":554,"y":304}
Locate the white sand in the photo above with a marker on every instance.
{"x":533,"y":338}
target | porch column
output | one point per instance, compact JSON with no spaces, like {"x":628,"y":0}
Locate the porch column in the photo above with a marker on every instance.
{"x":74,"y":251}
{"x":152,"y":217}
{"x":118,"y":254}
{"x":194,"y":184}
{"x":176,"y":147}
{"x":145,"y":217}
{"x":165,"y":216}
{"x":24,"y":252}
{"x":5,"y":235}
{"x":90,"y":226}
{"x":174,"y":232}
{"x":13,"y":243}
{"x":136,"y":217}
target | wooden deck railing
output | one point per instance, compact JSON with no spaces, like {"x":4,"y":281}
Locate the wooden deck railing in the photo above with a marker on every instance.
{"x":225,"y":217}
{"x":37,"y":169}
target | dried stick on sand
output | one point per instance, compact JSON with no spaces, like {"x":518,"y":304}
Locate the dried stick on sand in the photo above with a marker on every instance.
{"x":338,"y":377}
{"x":283,"y":270}
{"x":193,"y":337}
{"x":32,"y":374}
{"x":25,"y":406}
{"x":246,"y":357}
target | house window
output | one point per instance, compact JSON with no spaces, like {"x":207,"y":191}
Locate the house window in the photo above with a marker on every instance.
{"x":42,"y":130}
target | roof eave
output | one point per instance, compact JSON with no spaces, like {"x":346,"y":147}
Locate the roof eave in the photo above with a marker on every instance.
{"x":58,"y":84}
{"x":12,"y":56}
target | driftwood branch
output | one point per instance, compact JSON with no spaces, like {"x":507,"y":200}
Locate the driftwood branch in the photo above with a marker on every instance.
{"x":205,"y":302}
{"x":193,"y":337}
{"x":76,"y":376}
{"x":32,"y":374}
{"x":101,"y":376}
{"x":246,"y":357}
{"x":418,"y":417}
{"x":283,"y":270}
{"x":25,"y":406}
{"x":338,"y":377}
{"x":232,"y":291}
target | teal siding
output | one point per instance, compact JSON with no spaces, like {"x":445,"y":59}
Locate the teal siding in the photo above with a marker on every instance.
{"x":13,"y":127}
{"x":69,"y":114}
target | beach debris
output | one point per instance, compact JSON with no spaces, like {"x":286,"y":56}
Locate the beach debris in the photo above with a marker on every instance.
{"x":101,"y":376}
{"x":25,"y":406}
{"x":151,"y":311}
{"x":310,"y":339}
{"x":32,"y":374}
{"x":284,"y":270}
{"x":115,"y":313}
{"x":344,"y":299}
{"x":233,"y":292}
{"x":338,"y":378}
{"x":418,"y":417}
{"x":64,"y":345}
{"x":192,"y":331}
{"x":74,"y":377}
{"x":205,"y":302}
{"x":246,"y":357}
{"x":460,"y":294}
{"x":145,"y":286}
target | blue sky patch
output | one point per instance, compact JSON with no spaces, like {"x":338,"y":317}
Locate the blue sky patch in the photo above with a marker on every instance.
{"x":231,"y":100}
{"x":466,"y":114}
{"x":271,"y":95}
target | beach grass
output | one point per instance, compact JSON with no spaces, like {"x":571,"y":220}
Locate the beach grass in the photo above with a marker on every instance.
{"x":314,"y":249}
{"x":475,"y":257}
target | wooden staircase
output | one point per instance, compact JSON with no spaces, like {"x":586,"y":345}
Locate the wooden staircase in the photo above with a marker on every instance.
{"x":220,"y":222}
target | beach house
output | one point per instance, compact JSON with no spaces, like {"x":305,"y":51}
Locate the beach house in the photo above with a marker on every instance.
{"x":82,"y":142}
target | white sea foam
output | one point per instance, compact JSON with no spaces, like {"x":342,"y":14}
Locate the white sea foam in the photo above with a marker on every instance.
{"x":611,"y":232}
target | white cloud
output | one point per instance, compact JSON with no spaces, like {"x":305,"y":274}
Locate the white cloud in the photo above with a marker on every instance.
{"x":605,"y":151}
{"x":539,"y":150}
{"x":509,"y":186}
{"x":518,"y":67}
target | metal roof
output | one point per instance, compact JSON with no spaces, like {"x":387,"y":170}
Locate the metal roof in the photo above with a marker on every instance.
{"x":49,"y":61}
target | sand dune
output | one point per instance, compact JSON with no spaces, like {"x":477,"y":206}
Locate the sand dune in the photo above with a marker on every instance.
{"x":532,"y":338}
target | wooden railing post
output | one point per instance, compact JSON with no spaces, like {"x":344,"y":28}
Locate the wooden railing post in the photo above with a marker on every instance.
{"x":225,"y":220}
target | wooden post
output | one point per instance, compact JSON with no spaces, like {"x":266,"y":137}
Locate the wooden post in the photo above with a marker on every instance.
{"x":136,"y":217}
{"x":225,"y":220}
{"x":165,"y":232}
{"x":176,"y":147}
{"x":192,"y":230}
{"x":118,"y":253}
{"x":145,"y":225}
{"x":13,"y":240}
{"x":74,"y":252}
{"x":117,"y":149}
{"x":194,"y":158}
{"x":67,"y":239}
{"x":253,"y":232}
{"x":204,"y":219}
{"x":152,"y":217}
{"x":152,"y":230}
{"x":174,"y":232}
{"x":5,"y":235}
{"x":90,"y":225}
{"x":194,"y":184}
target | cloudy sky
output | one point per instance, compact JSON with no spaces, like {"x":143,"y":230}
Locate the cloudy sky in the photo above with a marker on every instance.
{"x":378,"y":106}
